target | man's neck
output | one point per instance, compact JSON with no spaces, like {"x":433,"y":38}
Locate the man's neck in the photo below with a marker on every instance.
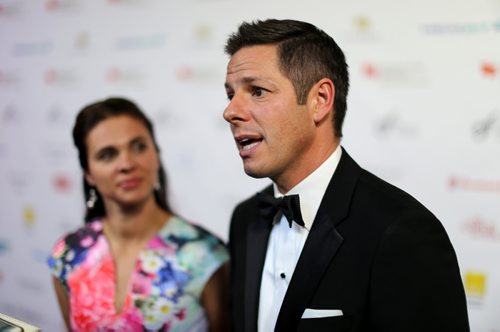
{"x":294,"y":176}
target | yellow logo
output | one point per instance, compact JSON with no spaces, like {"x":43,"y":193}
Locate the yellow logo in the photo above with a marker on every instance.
{"x":362,"y":23}
{"x":475,"y":284}
{"x":29,"y":216}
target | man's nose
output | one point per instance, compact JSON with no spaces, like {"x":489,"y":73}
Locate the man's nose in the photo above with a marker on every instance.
{"x":237,"y":110}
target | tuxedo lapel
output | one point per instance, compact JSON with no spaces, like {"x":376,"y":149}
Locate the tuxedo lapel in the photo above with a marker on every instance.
{"x":256,"y":246}
{"x":321,"y":244}
{"x":320,"y":247}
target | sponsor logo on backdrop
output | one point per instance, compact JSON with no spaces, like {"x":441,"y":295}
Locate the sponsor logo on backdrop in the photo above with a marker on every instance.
{"x":461,"y":28}
{"x":10,"y":115}
{"x":10,"y":9}
{"x":152,"y":41}
{"x":400,"y":75}
{"x":362,"y":23}
{"x":456,"y":182}
{"x":199,"y":73}
{"x":61,"y":5}
{"x":8,"y":77}
{"x":32,"y":48}
{"x":203,"y":32}
{"x":4,"y":246}
{"x":482,"y":228}
{"x":361,"y":29}
{"x":29,"y":216}
{"x":62,"y":183}
{"x":393,"y":124}
{"x":489,"y":69}
{"x":126,"y":2}
{"x":487,"y":128}
{"x":202,"y":37}
{"x":475,"y":283}
{"x":82,"y":41}
{"x":124,"y":75}
{"x":59,"y":77}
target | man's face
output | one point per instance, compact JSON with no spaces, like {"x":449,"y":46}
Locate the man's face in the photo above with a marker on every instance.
{"x":272,"y":132}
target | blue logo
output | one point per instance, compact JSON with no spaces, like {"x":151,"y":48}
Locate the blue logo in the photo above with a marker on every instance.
{"x":4,"y":246}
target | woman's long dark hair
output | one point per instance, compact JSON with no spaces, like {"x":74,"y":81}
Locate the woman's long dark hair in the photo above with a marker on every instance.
{"x":86,"y":120}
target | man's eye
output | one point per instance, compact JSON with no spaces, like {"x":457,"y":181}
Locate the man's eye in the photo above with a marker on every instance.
{"x":257,"y":91}
{"x":230,"y":96}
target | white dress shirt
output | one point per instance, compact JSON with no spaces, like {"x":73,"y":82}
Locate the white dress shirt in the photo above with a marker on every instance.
{"x":285,"y":243}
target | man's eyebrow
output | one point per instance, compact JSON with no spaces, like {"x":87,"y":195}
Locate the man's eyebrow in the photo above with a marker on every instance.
{"x":249,"y":79}
{"x":245,"y":80}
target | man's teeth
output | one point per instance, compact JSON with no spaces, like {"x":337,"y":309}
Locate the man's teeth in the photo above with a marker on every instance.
{"x":249,"y":146}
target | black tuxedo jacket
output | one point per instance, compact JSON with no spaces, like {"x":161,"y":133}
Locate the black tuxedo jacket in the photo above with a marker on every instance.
{"x":373,"y":252}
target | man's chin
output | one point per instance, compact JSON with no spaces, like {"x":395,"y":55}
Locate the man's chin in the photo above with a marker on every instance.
{"x":255,"y":173}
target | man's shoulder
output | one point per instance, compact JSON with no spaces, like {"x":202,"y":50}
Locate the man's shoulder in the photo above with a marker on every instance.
{"x":380,"y":196}
{"x":382,"y":188}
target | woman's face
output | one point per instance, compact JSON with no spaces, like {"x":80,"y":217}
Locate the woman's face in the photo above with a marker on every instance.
{"x":123,"y":162}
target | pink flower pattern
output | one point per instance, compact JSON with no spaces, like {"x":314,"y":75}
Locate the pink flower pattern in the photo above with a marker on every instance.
{"x":165,"y":287}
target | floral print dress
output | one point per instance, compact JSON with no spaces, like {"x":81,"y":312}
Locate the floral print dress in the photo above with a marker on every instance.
{"x":166,"y":284}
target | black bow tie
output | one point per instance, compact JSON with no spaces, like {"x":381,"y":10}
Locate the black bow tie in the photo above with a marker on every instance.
{"x":288,"y":205}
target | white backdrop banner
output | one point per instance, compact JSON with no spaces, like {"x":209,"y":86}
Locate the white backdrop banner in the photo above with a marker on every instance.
{"x":424,"y":114}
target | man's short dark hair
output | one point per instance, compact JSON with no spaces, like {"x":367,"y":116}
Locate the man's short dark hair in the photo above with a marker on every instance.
{"x":306,"y":54}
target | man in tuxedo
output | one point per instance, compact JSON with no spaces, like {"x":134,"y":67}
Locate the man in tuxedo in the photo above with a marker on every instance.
{"x":328,"y":246}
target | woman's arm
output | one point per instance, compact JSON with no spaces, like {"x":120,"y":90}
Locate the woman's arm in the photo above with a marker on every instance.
{"x":215,"y":300}
{"x":62,"y":298}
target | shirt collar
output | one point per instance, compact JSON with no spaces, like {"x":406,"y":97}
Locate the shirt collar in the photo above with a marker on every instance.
{"x":312,"y":189}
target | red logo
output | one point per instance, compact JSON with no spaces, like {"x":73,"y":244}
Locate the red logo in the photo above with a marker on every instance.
{"x":370,"y":70}
{"x":124,"y":75}
{"x":480,"y":227}
{"x":62,"y":183}
{"x":50,"y":76}
{"x":51,"y":4}
{"x":470,"y":184}
{"x":113,"y":74}
{"x":489,"y":69}
{"x":184,"y":73}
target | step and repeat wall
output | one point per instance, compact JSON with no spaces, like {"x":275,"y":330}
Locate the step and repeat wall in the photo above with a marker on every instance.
{"x":423,"y":113}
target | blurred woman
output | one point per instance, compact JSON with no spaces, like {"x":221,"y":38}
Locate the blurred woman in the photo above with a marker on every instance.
{"x":134,"y":265}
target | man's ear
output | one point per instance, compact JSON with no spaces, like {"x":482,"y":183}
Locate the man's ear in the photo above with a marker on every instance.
{"x":323,"y":94}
